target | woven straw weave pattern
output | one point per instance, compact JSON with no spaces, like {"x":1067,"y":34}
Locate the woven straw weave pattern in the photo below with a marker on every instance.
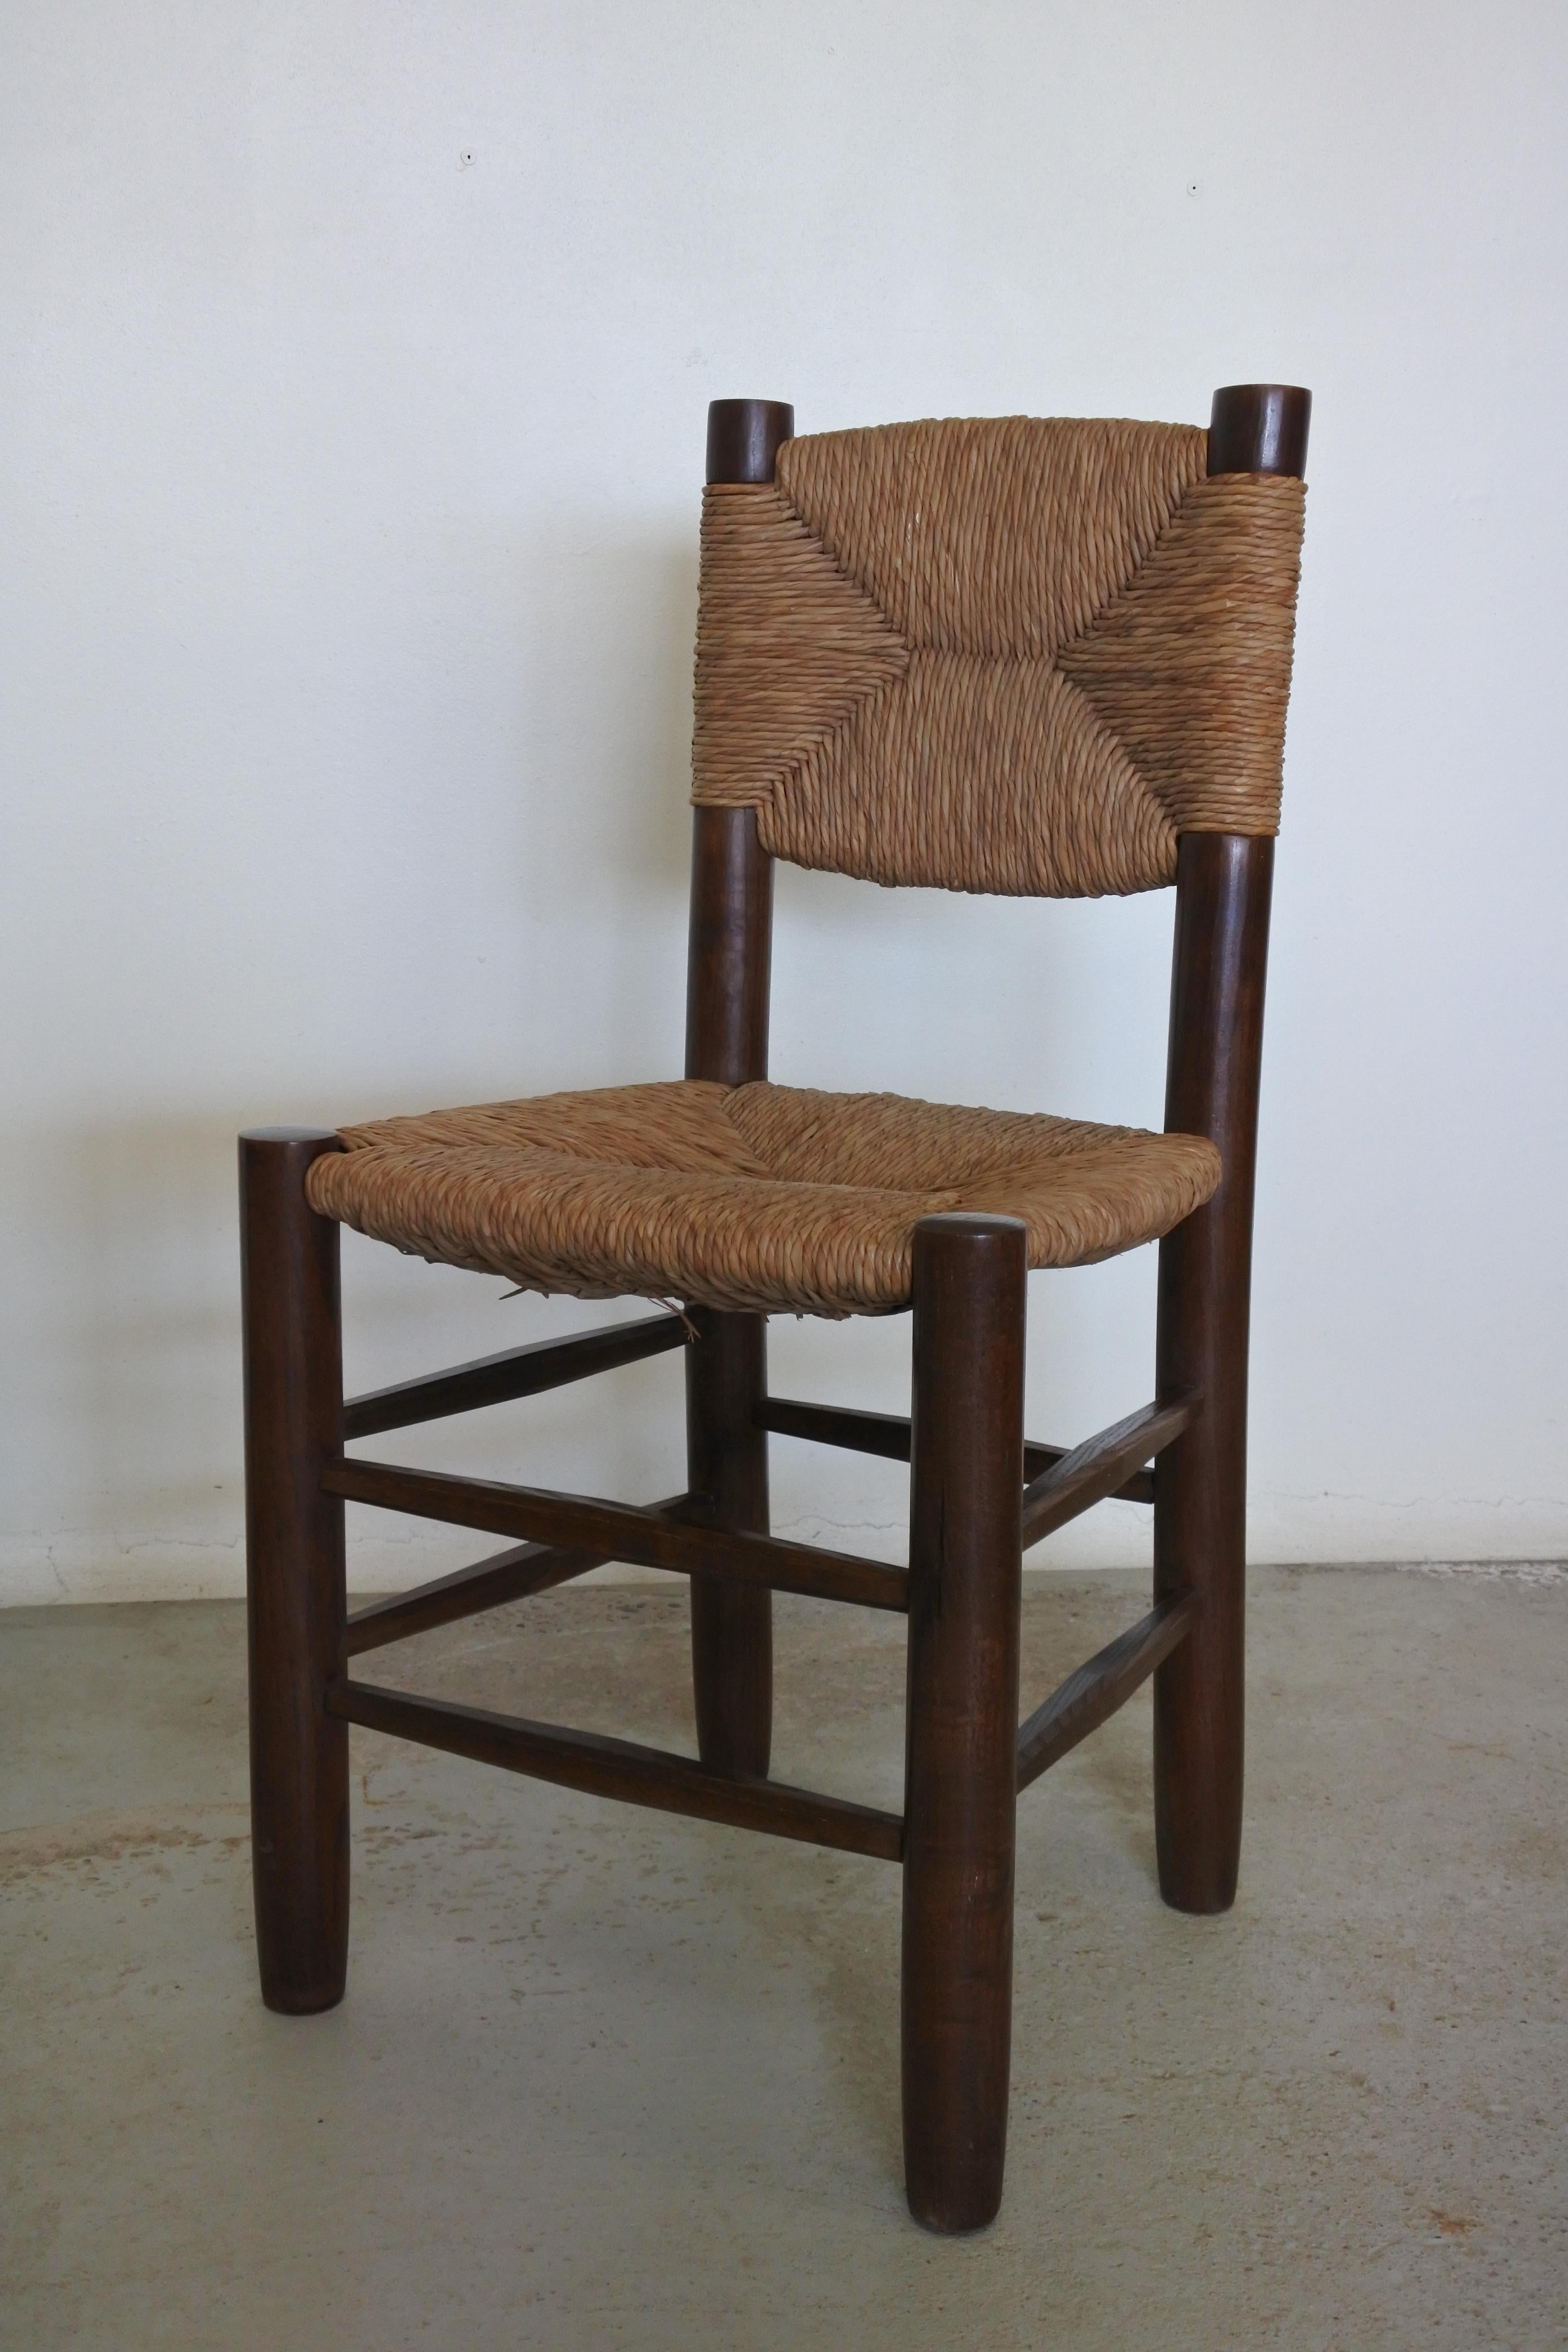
{"x":1013,"y":655}
{"x":760,"y":1197}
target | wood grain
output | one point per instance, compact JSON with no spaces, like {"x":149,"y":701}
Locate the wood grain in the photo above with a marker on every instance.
{"x":1097,"y":1468}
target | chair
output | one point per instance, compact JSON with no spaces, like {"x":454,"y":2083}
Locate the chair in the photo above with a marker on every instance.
{"x":1017,"y":655}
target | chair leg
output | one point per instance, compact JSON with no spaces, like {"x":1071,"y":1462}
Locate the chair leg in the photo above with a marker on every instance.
{"x":294,"y":1537}
{"x":1200,"y":1546}
{"x":966,"y":1480}
{"x":732,"y":1626}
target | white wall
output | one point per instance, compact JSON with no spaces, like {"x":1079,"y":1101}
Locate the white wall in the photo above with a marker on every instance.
{"x":349,"y":581}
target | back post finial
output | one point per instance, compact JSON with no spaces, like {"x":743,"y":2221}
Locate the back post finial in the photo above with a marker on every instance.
{"x":1259,"y":429}
{"x":745,"y":438}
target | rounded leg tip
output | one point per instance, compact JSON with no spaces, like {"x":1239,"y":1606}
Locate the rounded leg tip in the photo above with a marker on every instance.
{"x":300,"y":2000}
{"x":949,"y":2196}
{"x":1199,"y":1898}
{"x":1197,"y":1855}
{"x":954,"y":2217}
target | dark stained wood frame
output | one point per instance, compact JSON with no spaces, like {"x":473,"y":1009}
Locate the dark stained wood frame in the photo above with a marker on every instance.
{"x":888,"y":1434}
{"x":517,"y":1372}
{"x":294,"y":1571}
{"x":1099,"y":1467}
{"x":979,"y":1495}
{"x":729,"y":969}
{"x":690,"y":1545}
{"x":1092,"y":1692}
{"x":514,"y":1574}
{"x":966,"y":1472}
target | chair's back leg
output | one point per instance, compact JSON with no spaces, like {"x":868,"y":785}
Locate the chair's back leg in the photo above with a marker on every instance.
{"x":1206,"y":1275}
{"x":732,"y":1625}
{"x":294,"y":1544}
{"x":728,"y":969}
{"x":966,"y":1483}
{"x":726,"y":1453}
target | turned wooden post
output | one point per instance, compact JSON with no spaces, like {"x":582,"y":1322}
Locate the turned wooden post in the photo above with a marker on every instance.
{"x":726,"y":1367}
{"x":965,"y":1562}
{"x":732,"y":1625}
{"x":1222,"y":888}
{"x":294,"y":1567}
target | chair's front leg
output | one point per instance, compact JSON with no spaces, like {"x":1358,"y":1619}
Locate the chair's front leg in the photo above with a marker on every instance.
{"x":966,"y":1483}
{"x":294,"y":1546}
{"x":727,"y":1459}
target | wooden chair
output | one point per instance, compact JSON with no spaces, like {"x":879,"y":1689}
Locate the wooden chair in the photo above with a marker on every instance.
{"x":1009,"y":654}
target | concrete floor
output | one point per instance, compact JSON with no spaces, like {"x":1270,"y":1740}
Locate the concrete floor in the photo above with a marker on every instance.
{"x":606,"y":2078}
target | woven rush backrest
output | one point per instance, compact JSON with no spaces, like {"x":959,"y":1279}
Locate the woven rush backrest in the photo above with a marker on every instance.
{"x":1019,"y":655}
